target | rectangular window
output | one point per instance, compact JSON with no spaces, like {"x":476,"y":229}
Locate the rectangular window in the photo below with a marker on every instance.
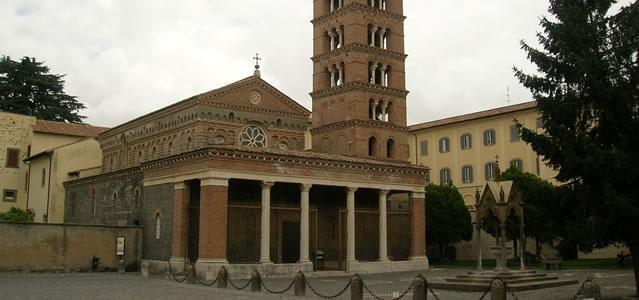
{"x":13,"y":158}
{"x":517,"y":163}
{"x":444,"y":145}
{"x":490,"y":137}
{"x":466,"y":141}
{"x":423,"y":148}
{"x":44,"y":177}
{"x":490,"y":171}
{"x":467,"y":174}
{"x":9,"y":195}
{"x":444,"y":177}
{"x":515,"y":133}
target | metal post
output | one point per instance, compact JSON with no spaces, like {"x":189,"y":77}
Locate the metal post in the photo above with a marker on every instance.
{"x":420,"y":290}
{"x":256,"y":282}
{"x":190,"y":277}
{"x":300,"y":285}
{"x":357,"y":288}
{"x":223,"y":277}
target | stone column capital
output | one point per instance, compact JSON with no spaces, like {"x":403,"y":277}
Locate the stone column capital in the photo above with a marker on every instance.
{"x":332,"y":34}
{"x":373,"y":29}
{"x":374,"y":67}
{"x":304,"y":187}
{"x":384,"y":192}
{"x":267,"y":184}
{"x":351,"y":189}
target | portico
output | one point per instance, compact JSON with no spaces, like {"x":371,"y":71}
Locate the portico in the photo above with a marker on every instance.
{"x":270,"y":221}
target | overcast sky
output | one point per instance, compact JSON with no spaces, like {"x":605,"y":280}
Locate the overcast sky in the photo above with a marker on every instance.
{"x":125,"y":58}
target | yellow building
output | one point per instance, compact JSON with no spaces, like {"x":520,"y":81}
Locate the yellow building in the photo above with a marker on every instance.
{"x":464,"y":149}
{"x":51,"y":168}
{"x":20,"y":137}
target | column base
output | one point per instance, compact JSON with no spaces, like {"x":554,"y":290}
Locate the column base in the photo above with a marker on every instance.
{"x":178,"y":264}
{"x":207,"y":269}
{"x":423,"y":260}
{"x":383,"y":259}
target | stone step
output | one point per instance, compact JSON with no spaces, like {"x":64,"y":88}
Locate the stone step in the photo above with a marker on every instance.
{"x":505,"y":277}
{"x":480,"y":287}
{"x":513,"y":281}
{"x":509,"y":272}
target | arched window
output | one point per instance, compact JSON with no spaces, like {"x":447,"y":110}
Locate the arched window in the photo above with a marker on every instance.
{"x":158,"y":226}
{"x":389,"y":112}
{"x":231,"y":117}
{"x":390,"y":148}
{"x":169,"y":150}
{"x":372,"y":146}
{"x":188,"y":143}
{"x":253,"y":136}
{"x":114,"y":200}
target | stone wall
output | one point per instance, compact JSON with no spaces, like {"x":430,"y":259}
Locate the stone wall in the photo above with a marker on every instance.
{"x":123,"y":200}
{"x":158,"y":199}
{"x":54,"y":247}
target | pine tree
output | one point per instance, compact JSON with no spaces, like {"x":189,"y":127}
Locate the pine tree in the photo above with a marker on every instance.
{"x":26,"y":87}
{"x":587,"y":93}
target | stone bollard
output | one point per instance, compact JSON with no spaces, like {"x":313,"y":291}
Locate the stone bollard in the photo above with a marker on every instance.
{"x":420,"y":290}
{"x":591,"y":291}
{"x":144,"y":268}
{"x":190,"y":277}
{"x":121,"y":267}
{"x":300,"y":285}
{"x":357,"y":288}
{"x":497,"y":290}
{"x":223,"y":277}
{"x":256,"y":282}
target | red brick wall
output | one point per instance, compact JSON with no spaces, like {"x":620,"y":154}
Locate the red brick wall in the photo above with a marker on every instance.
{"x":213,"y":222}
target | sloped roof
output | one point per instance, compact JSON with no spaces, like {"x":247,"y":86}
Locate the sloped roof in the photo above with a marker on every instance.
{"x":474,"y":116}
{"x":496,"y":188}
{"x":62,"y":128}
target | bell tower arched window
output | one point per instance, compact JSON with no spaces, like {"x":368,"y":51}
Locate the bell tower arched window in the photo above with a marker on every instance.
{"x":372,"y":146}
{"x":390,"y":148}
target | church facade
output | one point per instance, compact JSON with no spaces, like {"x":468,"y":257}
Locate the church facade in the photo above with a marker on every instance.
{"x":223,"y":178}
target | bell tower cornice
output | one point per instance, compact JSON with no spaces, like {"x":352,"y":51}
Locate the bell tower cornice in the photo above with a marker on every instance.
{"x":357,"y":47}
{"x":358,"y":86}
{"x":355,"y":7}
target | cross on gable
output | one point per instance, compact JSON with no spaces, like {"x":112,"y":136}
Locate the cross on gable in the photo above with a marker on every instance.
{"x":257,"y":60}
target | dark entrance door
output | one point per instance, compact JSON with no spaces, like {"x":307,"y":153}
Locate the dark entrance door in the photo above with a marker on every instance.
{"x":290,"y":242}
{"x":194,"y":221}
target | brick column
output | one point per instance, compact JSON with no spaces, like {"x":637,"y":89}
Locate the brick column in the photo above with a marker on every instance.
{"x":180,"y":221}
{"x":418,"y":225}
{"x":213,"y":221}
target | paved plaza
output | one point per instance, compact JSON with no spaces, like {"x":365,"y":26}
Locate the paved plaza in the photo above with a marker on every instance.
{"x":614,"y":284}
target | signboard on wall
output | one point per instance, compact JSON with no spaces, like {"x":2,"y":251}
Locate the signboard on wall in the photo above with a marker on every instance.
{"x":119,"y":246}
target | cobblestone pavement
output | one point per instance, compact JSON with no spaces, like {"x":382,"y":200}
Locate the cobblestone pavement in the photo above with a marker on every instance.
{"x":614,"y":283}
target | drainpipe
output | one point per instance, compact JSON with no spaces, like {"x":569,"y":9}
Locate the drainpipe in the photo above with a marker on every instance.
{"x":49,"y":185}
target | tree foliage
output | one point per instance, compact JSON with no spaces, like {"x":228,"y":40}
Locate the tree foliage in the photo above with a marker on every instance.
{"x":16,"y":215}
{"x":447,"y":217}
{"x":27,"y":88}
{"x":587,"y":92}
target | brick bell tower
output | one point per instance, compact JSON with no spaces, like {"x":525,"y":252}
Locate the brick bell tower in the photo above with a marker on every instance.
{"x":359,"y":89}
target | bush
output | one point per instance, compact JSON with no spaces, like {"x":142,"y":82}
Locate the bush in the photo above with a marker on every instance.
{"x":16,"y":215}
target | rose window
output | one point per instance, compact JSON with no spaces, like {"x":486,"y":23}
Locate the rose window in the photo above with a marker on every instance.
{"x":253,"y":136}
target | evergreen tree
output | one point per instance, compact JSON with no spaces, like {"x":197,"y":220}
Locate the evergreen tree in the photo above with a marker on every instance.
{"x":447,"y":218}
{"x":587,"y":92}
{"x":26,"y":87}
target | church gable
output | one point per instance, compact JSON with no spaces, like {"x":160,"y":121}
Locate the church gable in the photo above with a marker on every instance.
{"x":256,"y":95}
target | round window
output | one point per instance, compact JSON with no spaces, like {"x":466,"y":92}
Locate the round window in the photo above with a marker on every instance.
{"x":253,"y":136}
